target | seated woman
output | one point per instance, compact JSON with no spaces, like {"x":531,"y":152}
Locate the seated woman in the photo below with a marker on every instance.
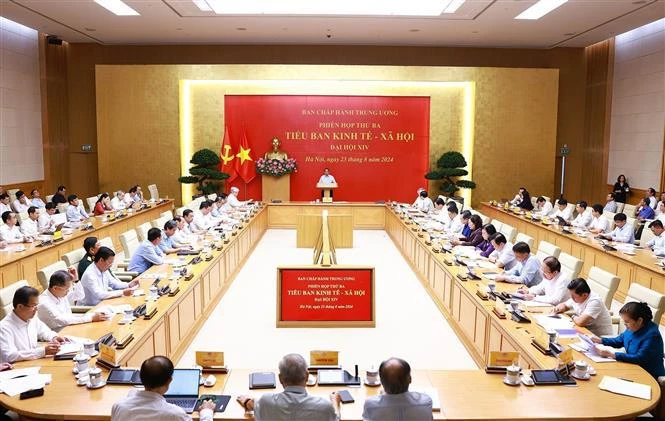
{"x":553,"y":289}
{"x":589,"y":309}
{"x":476,"y":235}
{"x":641,"y":340}
{"x":525,"y":203}
{"x":518,"y":197}
{"x":485,"y":248}
{"x":103,"y":204}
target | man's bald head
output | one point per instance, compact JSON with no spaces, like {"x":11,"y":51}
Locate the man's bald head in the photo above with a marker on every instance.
{"x":395,"y":374}
{"x":156,"y":372}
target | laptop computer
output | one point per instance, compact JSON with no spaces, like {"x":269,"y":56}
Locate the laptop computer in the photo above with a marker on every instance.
{"x":184,"y":389}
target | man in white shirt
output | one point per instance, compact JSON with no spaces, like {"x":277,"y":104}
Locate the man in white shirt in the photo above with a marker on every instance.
{"x":45,"y":223}
{"x":651,"y":195}
{"x":181,"y":237}
{"x":327,"y":178}
{"x":599,"y":224}
{"x":233,"y":201}
{"x":583,"y":218}
{"x":21,"y":204}
{"x":21,"y":330}
{"x":202,"y":219}
{"x":503,"y":255}
{"x":98,"y":282}
{"x":623,"y":231}
{"x":457,"y":222}
{"x":188,"y":217}
{"x":590,"y":311}
{"x":75,"y":213}
{"x":30,"y":227}
{"x":217,"y":209}
{"x":553,"y":289}
{"x":54,"y":309}
{"x":660,"y":206}
{"x":4,"y":204}
{"x":149,"y":404}
{"x":9,"y":232}
{"x":561,"y":209}
{"x":543,"y":207}
{"x":423,"y":203}
{"x":132,"y":196}
{"x":657,"y":244}
{"x":36,"y":199}
{"x":117,"y":203}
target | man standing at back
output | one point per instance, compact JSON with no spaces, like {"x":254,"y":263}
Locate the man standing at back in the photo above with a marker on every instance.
{"x":293,"y":403}
{"x":150,"y":404}
{"x":397,"y":403}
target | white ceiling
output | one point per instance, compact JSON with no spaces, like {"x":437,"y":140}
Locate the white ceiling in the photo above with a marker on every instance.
{"x":478,"y":23}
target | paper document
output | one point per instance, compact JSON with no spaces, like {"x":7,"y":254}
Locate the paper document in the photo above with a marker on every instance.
{"x":19,"y":385}
{"x":111,"y":310}
{"x":18,"y":372}
{"x":485,"y":264}
{"x":553,"y":323}
{"x":70,"y":348}
{"x":138,"y":292}
{"x":587,"y":347}
{"x":432,"y":393}
{"x":624,"y":387}
{"x":532,"y":303}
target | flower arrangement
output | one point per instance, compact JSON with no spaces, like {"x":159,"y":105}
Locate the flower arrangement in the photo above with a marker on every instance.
{"x":276,"y":167}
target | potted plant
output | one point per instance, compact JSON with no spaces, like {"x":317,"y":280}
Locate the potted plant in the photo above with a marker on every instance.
{"x":449,"y":167}
{"x":205,"y":172}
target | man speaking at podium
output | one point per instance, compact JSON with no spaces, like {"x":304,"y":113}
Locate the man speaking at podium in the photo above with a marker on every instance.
{"x":327,"y":178}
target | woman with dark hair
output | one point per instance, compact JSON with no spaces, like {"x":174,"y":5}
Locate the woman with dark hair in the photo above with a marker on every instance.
{"x":641,"y":339}
{"x":525,"y":203}
{"x":485,"y":248}
{"x":103,"y":204}
{"x":621,"y":189}
{"x":476,"y":236}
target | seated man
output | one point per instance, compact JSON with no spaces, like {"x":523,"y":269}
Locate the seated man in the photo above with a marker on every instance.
{"x":45,"y":223}
{"x":75,"y":213}
{"x":132,"y":196}
{"x":5,"y":206}
{"x":623,"y":231}
{"x":21,"y":329}
{"x":233,"y":201}
{"x":293,"y":403}
{"x":202,"y":219}
{"x":54,"y":309}
{"x":657,"y":244}
{"x":59,"y":196}
{"x":148,"y":253}
{"x":543,"y":207}
{"x":149,"y":404}
{"x":36,"y":199}
{"x":583,"y":218}
{"x":30,"y":227}
{"x":644,"y":211}
{"x":188,"y":228}
{"x":397,"y":403}
{"x":553,"y":289}
{"x":168,"y":244}
{"x":599,"y":224}
{"x":90,"y":245}
{"x":611,"y":205}
{"x":117,"y":203}
{"x":21,"y":204}
{"x":590,"y":311}
{"x":423,"y":203}
{"x":464,"y":229}
{"x":526,"y":271}
{"x":99,"y":283}
{"x":9,"y":232}
{"x":561,"y":209}
{"x":181,"y":236}
{"x":502,"y":256}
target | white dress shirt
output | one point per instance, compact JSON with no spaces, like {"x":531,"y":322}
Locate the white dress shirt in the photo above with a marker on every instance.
{"x":327,"y":179}
{"x":5,"y":208}
{"x":601,"y":223}
{"x":424,"y":204}
{"x":455,"y":226}
{"x":182,"y":237}
{"x":45,"y":222}
{"x":10,"y":235}
{"x":117,"y":204}
{"x":653,"y":202}
{"x":625,"y":234}
{"x":56,"y":313}
{"x":658,"y":212}
{"x":551,"y":291}
{"x":583,"y":220}
{"x":143,"y":405}
{"x":38,"y":203}
{"x":594,"y":307}
{"x":506,"y":256}
{"x":100,"y":286}
{"x":233,"y":201}
{"x":566,"y":213}
{"x":18,"y":339}
{"x":20,"y":207}
{"x":29,"y":228}
{"x":201,"y":222}
{"x":546,"y":209}
{"x":657,"y":244}
{"x":76,"y":214}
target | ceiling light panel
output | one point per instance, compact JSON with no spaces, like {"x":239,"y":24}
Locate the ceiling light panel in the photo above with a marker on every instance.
{"x":540,"y":9}
{"x":117,"y":7}
{"x":326,"y":7}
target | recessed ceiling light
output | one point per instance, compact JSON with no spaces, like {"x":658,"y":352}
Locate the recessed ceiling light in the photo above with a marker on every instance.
{"x":640,"y":2}
{"x":414,"y":30}
{"x":117,"y":7}
{"x":474,"y":32}
{"x":568,"y":34}
{"x":540,"y":9}
{"x":338,"y":7}
{"x":202,"y":5}
{"x":178,"y":29}
{"x":241,"y":29}
{"x":90,"y":29}
{"x":453,"y":6}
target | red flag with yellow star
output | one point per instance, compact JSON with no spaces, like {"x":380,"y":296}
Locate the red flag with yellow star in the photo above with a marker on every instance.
{"x":244,"y":164}
{"x":226,"y":156}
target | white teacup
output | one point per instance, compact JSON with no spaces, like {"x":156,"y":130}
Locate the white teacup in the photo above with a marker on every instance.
{"x":81,"y":362}
{"x":89,"y":347}
{"x":514,"y":305}
{"x":95,"y":374}
{"x":581,"y":368}
{"x":372,"y":376}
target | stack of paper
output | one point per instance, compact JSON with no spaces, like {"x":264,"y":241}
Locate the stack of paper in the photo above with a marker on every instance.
{"x":625,"y":387}
{"x":15,"y":382}
{"x":587,"y":347}
{"x":553,"y":322}
{"x":70,"y":348}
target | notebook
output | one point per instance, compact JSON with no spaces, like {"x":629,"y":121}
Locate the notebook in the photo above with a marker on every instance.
{"x":262,"y":380}
{"x":625,"y":387}
{"x":184,"y":389}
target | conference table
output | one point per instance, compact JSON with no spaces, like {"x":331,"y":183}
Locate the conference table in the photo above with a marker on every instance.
{"x":466,"y":394}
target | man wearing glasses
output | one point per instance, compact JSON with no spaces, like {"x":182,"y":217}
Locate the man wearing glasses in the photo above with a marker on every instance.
{"x":54,"y":309}
{"x":20,"y":330}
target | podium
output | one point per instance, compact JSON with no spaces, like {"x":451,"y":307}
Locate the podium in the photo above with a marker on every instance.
{"x":327,"y":191}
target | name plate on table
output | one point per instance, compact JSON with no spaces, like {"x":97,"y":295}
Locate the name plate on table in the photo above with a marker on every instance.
{"x":107,"y":356}
{"x":125,"y":336}
{"x":332,"y":296}
{"x":211,"y":361}
{"x":498,"y":361}
{"x":324,"y":358}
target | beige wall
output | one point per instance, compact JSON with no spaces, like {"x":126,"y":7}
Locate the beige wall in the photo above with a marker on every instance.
{"x":515,"y":116}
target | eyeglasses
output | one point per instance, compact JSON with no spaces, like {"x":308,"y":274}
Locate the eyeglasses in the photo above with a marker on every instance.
{"x":31,"y":307}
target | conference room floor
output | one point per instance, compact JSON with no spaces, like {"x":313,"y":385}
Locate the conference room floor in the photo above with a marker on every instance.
{"x":408,"y":324}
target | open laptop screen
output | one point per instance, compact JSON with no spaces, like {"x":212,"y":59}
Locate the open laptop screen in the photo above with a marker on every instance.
{"x":185,"y":383}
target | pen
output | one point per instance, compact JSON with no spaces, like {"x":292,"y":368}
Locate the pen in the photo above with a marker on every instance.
{"x":627,"y":380}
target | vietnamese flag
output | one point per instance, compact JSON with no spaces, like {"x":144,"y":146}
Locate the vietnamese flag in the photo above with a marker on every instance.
{"x":226,"y":157}
{"x":245,"y":165}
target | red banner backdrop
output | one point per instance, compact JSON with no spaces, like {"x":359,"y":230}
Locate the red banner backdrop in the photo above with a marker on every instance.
{"x":377,"y":148}
{"x":326,"y":295}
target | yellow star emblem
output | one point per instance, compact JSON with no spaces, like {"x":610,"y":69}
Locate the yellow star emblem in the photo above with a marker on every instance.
{"x":226,"y":158}
{"x":244,"y":155}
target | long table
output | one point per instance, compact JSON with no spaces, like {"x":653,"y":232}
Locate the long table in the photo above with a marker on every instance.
{"x":641,"y":268}
{"x":463,"y":394}
{"x":15,"y":265}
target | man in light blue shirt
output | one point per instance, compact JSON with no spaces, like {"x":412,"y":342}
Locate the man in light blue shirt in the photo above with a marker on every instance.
{"x":623,"y":231}
{"x":526,"y":271}
{"x":99,"y":283}
{"x":168,"y":244}
{"x":148,"y":253}
{"x":37,"y":200}
{"x":397,"y":403}
{"x":74,"y":212}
